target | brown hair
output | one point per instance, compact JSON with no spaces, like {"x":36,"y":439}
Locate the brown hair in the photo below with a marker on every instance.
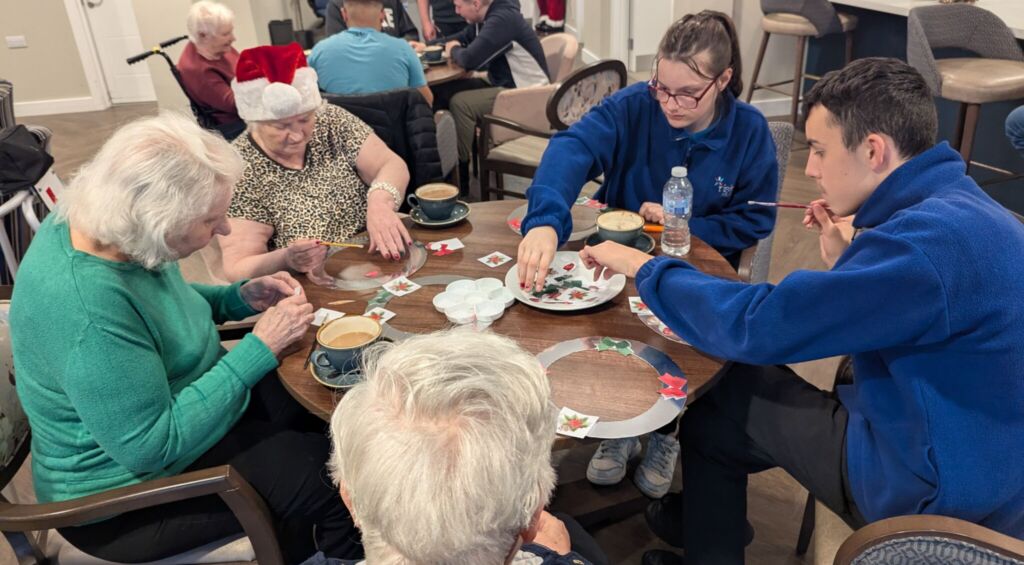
{"x":709,"y":31}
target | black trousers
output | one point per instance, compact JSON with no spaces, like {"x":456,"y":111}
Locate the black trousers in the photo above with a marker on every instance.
{"x":753,"y":419}
{"x":281,"y":451}
{"x":450,"y":28}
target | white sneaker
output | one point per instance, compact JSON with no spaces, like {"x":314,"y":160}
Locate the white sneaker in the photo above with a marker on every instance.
{"x":654,"y":475}
{"x":608,"y":465}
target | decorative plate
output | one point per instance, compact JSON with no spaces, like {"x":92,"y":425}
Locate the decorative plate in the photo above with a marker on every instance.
{"x":353,"y":274}
{"x":569,"y":285}
{"x":584,"y":220}
{"x":383,"y":297}
{"x":669,"y":379}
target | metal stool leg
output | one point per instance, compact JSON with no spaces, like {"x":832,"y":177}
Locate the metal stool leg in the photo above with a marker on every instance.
{"x":806,"y":527}
{"x":798,"y":74}
{"x":757,"y":65}
{"x":970,"y":125}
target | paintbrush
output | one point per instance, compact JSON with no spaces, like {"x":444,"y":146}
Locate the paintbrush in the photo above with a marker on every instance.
{"x":779,"y":204}
{"x":336,"y":244}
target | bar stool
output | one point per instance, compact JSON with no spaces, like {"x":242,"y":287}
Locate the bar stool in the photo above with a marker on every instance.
{"x":997,"y":75}
{"x":803,"y":20}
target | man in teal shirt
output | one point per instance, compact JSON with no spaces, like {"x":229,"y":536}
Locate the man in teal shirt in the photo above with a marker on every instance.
{"x":363,"y":60}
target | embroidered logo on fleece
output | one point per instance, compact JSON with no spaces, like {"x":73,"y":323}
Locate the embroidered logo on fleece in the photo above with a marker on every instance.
{"x":725,"y":190}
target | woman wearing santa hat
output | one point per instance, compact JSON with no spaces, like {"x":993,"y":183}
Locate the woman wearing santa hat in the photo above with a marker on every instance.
{"x":313,"y":172}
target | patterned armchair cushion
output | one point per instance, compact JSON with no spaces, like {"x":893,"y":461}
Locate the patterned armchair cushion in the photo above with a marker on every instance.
{"x":923,"y":550}
{"x":13,"y":422}
{"x":586,"y":94}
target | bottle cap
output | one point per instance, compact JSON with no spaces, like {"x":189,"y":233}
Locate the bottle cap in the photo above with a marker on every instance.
{"x":679,"y":172}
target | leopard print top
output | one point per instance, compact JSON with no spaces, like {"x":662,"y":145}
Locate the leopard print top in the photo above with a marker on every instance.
{"x":326,"y":199}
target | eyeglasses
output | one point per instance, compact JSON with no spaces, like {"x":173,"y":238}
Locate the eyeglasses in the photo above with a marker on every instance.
{"x":684,"y":101}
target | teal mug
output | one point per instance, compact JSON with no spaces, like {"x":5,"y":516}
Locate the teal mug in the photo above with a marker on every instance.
{"x":436,"y":200}
{"x":343,"y":340}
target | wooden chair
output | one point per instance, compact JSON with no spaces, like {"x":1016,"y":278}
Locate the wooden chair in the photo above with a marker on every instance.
{"x":560,"y":51}
{"x":30,"y":526}
{"x":755,"y":261}
{"x":924,"y":539}
{"x":515,"y":134}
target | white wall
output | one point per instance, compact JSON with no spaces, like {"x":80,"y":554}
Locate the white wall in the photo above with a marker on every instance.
{"x":49,"y":70}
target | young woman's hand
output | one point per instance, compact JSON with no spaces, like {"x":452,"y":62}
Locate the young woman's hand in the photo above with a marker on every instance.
{"x":535,"y":254}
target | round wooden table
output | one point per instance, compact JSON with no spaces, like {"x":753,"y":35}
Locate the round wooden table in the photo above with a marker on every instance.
{"x":604,"y":384}
{"x":440,"y":74}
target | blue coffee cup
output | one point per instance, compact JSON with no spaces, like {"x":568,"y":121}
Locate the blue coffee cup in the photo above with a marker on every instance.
{"x":343,"y":341}
{"x":436,"y":200}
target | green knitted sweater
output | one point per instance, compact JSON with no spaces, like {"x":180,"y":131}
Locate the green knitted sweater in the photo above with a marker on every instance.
{"x":120,"y":369}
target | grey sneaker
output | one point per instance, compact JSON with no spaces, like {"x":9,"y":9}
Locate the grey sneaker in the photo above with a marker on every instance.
{"x":654,"y":475}
{"x":608,"y":465}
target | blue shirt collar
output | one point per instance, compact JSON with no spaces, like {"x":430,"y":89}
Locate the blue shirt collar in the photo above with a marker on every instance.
{"x":911,"y":182}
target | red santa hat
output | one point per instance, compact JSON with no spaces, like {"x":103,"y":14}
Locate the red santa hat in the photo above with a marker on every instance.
{"x":273,"y":82}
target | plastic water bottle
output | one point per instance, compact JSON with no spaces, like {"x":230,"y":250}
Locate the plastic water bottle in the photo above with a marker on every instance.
{"x":677,"y":201}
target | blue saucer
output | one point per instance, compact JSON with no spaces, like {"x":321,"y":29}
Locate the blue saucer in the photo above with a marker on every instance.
{"x":459,"y":213}
{"x":330,"y":377}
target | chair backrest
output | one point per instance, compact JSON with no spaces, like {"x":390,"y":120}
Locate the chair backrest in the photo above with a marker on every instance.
{"x":14,"y":429}
{"x":447,"y":141}
{"x":929,"y":539}
{"x":820,"y":13}
{"x":960,"y":26}
{"x":782,"y":135}
{"x":560,"y":53}
{"x":526,"y":106}
{"x":404,"y":121}
{"x":583,"y":89}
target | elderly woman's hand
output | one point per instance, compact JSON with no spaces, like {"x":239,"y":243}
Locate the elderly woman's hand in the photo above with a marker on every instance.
{"x":387,"y":233}
{"x":305,"y":255}
{"x":552,"y":534}
{"x":284,"y":323}
{"x":263,"y":292}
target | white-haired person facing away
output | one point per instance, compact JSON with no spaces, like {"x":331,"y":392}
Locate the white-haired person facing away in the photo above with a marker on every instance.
{"x":120,"y":368}
{"x":443,"y":456}
{"x":207,"y":63}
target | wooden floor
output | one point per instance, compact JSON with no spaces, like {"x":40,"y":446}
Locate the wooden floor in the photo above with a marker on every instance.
{"x":775,"y":500}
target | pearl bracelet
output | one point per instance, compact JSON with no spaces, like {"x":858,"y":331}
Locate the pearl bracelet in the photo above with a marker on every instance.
{"x":387,"y":187}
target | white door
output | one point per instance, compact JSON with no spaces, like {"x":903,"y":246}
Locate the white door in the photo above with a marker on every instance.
{"x":115,"y":34}
{"x":648,"y":21}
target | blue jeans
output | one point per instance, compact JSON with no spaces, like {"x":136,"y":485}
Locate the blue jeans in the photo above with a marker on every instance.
{"x":1015,"y":128}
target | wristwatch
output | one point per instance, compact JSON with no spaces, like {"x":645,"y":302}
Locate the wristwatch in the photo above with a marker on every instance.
{"x":386,"y":187}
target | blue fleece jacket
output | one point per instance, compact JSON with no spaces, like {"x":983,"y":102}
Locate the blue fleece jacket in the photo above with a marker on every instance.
{"x":928,"y":301}
{"x":628,"y":139}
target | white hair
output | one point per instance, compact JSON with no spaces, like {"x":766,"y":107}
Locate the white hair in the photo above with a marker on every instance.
{"x":205,"y":18}
{"x":445,"y":449}
{"x":148,"y":183}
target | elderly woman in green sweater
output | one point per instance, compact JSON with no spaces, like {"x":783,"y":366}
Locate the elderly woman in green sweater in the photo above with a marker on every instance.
{"x":120,"y":368}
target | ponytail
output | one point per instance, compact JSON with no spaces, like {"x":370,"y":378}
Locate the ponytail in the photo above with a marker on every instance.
{"x":709,"y":31}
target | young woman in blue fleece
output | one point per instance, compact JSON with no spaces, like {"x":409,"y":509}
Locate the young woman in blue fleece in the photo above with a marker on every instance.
{"x":926,"y":298}
{"x":686,"y":115}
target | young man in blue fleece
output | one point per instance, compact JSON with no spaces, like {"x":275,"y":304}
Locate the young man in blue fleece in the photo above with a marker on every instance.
{"x":927,"y":299}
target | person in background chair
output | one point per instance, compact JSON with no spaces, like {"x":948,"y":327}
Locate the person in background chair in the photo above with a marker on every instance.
{"x":397,"y":22}
{"x":439,"y":19}
{"x":363,"y":60}
{"x":458,"y":426}
{"x":120,"y":367}
{"x":207,"y":63}
{"x":499,"y":40}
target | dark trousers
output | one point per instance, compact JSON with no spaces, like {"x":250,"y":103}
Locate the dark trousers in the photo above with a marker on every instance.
{"x":281,"y":451}
{"x":581,"y":540}
{"x":753,"y":419}
{"x":449,"y":29}
{"x":444,"y":92}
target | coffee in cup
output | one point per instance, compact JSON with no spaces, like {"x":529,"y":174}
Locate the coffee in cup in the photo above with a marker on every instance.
{"x":621,"y":226}
{"x":343,"y":340}
{"x":436,"y":200}
{"x":433,"y":53}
